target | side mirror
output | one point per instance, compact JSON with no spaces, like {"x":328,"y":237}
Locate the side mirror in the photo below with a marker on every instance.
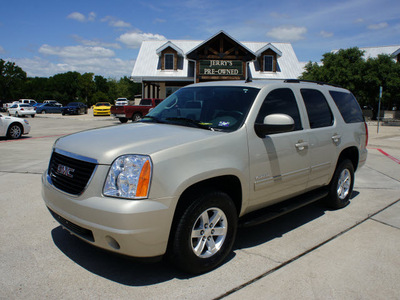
{"x":275,"y":123}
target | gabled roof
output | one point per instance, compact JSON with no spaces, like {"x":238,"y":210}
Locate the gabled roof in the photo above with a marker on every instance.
{"x":375,"y":51}
{"x":394,"y":54}
{"x":147,"y":62}
{"x":269,"y":46}
{"x":372,"y":52}
{"x":171,"y":45}
{"x":227,"y":36}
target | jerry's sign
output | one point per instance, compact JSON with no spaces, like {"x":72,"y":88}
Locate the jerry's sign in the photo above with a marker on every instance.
{"x":221,"y":67}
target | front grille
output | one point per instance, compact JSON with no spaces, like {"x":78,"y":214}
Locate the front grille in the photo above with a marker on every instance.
{"x":78,"y":230}
{"x":69,"y":174}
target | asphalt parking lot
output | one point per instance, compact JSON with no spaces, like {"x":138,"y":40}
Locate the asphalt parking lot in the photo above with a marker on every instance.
{"x":312,"y":253}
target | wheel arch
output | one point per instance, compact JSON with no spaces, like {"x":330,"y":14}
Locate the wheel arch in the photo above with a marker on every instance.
{"x":350,"y":153}
{"x":228,"y":184}
{"x":12,"y":124}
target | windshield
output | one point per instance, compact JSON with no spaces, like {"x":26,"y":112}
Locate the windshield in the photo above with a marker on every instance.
{"x":222,"y":108}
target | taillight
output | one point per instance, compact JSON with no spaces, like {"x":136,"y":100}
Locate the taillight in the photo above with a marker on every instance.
{"x":366,"y":134}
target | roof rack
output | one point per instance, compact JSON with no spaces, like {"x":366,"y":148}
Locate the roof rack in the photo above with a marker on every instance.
{"x":311,"y":81}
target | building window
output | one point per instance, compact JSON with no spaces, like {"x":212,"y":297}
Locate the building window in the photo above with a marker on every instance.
{"x":168,"y":61}
{"x":268,"y":63}
{"x":169,"y":90}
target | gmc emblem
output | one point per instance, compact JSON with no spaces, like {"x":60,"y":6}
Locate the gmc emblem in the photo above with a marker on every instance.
{"x":66,"y":171}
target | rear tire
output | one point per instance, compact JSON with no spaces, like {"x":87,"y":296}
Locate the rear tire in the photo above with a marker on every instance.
{"x":341,"y":186}
{"x":136,"y":117}
{"x":204,"y":234}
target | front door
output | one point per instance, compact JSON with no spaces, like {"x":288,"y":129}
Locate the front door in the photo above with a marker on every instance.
{"x":279,"y":163}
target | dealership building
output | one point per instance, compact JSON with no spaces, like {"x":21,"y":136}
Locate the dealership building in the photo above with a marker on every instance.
{"x":165,"y":66}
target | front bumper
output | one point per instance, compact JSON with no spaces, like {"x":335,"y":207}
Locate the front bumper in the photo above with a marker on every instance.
{"x":101,"y":112}
{"x":138,"y":228}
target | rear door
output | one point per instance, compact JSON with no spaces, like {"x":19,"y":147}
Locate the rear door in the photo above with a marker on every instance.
{"x":279,"y":163}
{"x":324,"y":137}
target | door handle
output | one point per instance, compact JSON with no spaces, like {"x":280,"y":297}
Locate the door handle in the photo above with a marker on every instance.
{"x":336,"y":138}
{"x":301,"y":145}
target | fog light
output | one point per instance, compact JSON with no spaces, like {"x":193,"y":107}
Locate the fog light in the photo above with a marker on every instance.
{"x":112,"y":242}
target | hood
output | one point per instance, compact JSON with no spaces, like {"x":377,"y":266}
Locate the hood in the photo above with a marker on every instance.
{"x":108,"y":143}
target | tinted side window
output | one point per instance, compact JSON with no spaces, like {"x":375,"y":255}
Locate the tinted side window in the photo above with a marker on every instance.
{"x":318,"y":110}
{"x":348,"y":107}
{"x":280,"y":101}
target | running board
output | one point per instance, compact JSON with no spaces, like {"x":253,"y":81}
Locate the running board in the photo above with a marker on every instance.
{"x":279,"y":209}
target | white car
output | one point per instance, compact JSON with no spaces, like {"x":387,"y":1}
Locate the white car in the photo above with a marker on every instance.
{"x":12,"y":127}
{"x":121,"y":102}
{"x":27,"y":101}
{"x":21,"y":109}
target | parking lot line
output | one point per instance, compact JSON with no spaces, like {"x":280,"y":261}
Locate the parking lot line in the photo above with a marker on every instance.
{"x":387,"y":155}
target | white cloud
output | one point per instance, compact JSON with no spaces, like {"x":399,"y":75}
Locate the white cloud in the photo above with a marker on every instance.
{"x":287,"y":33}
{"x":325,"y":34}
{"x":76,"y":51}
{"x":114,"y":22}
{"x":378,"y":26}
{"x":77,"y":16}
{"x":95,"y":42}
{"x":92,"y":16}
{"x":2,"y":51}
{"x":107,"y":67}
{"x":134,"y":39}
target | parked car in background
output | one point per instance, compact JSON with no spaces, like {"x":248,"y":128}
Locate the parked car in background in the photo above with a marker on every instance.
{"x":121,"y":101}
{"x":21,"y":109}
{"x":27,"y":101}
{"x":74,"y":108}
{"x":46,"y":108}
{"x":12,"y":127}
{"x":4,"y":105}
{"x":52,"y":101}
{"x":102,"y":109}
{"x":134,"y":112}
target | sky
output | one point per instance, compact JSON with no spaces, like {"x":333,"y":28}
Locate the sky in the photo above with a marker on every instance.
{"x":47,"y":37}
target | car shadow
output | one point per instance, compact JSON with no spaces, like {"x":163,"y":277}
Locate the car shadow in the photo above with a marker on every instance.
{"x":123,"y":270}
{"x":120,"y":269}
{"x":259,"y":234}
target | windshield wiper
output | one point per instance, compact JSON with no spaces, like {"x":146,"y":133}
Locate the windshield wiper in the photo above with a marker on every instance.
{"x":155,"y":119}
{"x":191,"y":122}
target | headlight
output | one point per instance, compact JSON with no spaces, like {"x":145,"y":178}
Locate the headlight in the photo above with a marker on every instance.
{"x":129,"y":177}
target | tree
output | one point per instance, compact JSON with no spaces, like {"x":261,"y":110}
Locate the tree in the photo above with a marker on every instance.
{"x":382,"y":72}
{"x":12,"y":79}
{"x":86,"y":87}
{"x":363,"y":78}
{"x":66,"y":86}
{"x":344,"y":68}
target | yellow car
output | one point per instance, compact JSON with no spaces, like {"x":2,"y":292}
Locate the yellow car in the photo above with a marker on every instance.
{"x":101,"y":109}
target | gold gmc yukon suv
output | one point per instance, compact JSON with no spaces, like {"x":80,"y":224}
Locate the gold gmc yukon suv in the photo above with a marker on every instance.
{"x":211,"y":157}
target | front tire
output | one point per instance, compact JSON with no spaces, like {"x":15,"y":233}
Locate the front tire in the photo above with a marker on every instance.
{"x":14,"y":131}
{"x":204,"y":234}
{"x":341,"y":186}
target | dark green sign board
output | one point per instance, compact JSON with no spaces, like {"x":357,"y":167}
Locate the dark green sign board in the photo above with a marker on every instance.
{"x":221,"y":67}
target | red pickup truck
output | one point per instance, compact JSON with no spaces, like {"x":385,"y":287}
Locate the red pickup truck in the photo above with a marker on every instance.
{"x":134,"y":112}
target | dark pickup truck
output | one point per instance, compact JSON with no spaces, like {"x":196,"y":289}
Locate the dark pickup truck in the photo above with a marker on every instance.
{"x":134,"y":112}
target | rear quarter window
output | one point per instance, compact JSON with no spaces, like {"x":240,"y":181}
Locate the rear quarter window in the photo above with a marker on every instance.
{"x":348,"y":106}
